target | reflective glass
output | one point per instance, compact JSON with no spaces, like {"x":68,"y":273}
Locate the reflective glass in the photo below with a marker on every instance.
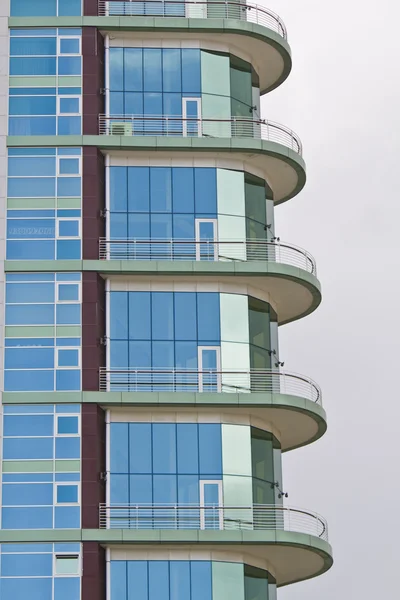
{"x":183,"y":189}
{"x":26,"y":565}
{"x":158,"y":580}
{"x":27,"y":8}
{"x":188,"y":490}
{"x":32,"y":381}
{"x":29,"y":425}
{"x":119,"y":489}
{"x":68,"y":166}
{"x":34,"y":105}
{"x":210,"y":449}
{"x":119,"y":315}
{"x":67,"y":588}
{"x":27,"y":518}
{"x":69,"y":46}
{"x":140,"y":455}
{"x":33,"y":46}
{"x":118,"y":448}
{"x":27,"y":494}
{"x":139,"y":316}
{"x":140,"y":489}
{"x":118,"y":580}
{"x":69,"y":380}
{"x":32,"y":187}
{"x":201,"y":580}
{"x":161,"y":189}
{"x":191,"y":75}
{"x":162,"y":355}
{"x":69,"y":65}
{"x":208,"y":316}
{"x":29,"y":358}
{"x":31,"y":166}
{"x":179,"y":582}
{"x":187,"y":448}
{"x":33,"y":66}
{"x":29,"y":292}
{"x":69,"y":8}
{"x":67,"y":517}
{"x":140,"y":354}
{"x":139,"y":189}
{"x":67,"y":425}
{"x":162,"y":316}
{"x":164,"y":448}
{"x":185,"y":316}
{"x":68,"y":228}
{"x":205,"y":191}
{"x":67,"y":494}
{"x":34,"y":589}
{"x":68,"y":447}
{"x":152,"y":81}
{"x":69,"y":105}
{"x":68,"y":314}
{"x":118,"y":189}
{"x":137,"y":579}
{"x":133,"y":69}
{"x":171,"y":68}
{"x":68,"y":292}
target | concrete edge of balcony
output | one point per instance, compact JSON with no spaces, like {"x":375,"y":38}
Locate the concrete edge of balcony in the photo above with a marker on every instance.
{"x":238,"y":27}
{"x":257,"y":151}
{"x":299,"y":420}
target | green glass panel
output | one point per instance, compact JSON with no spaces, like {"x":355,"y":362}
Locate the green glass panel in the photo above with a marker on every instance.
{"x":255,"y":583}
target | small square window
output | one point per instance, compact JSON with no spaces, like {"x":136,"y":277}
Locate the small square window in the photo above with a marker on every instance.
{"x":68,"y":166}
{"x":67,"y":564}
{"x":67,"y":494}
{"x":67,"y":357}
{"x":68,"y":228}
{"x":69,"y":105}
{"x":67,"y":425}
{"x":69,"y":46}
{"x":68,"y":292}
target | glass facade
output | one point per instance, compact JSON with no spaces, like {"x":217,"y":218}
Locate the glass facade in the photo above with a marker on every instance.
{"x":46,"y":8}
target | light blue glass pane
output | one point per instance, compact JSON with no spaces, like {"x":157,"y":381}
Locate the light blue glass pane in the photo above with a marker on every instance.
{"x":32,"y":151}
{"x":68,"y":276}
{"x":68,"y":292}
{"x":119,"y":448}
{"x":69,"y":46}
{"x":69,"y":8}
{"x":68,"y":448}
{"x":118,"y":189}
{"x":31,"y":187}
{"x":185,"y":316}
{"x":119,"y":489}
{"x":10,"y":342}
{"x":208,"y":316}
{"x":28,"y":408}
{"x":139,"y":189}
{"x":69,"y":186}
{"x":158,"y":580}
{"x":67,"y":425}
{"x":171,"y":63}
{"x":140,"y":448}
{"x":31,"y":166}
{"x":31,"y":91}
{"x":68,"y":342}
{"x":183,"y":229}
{"x":140,"y":354}
{"x":27,"y":477}
{"x":22,"y":32}
{"x":188,"y":489}
{"x":205,"y":185}
{"x":33,"y":46}
{"x":164,"y":448}
{"x":33,"y":292}
{"x":163,"y":355}
{"x":70,"y":31}
{"x":69,"y":125}
{"x":27,"y":548}
{"x":152,"y":81}
{"x":162,"y":315}
{"x":140,"y":489}
{"x":119,"y":315}
{"x":69,"y":65}
{"x":33,"y":66}
{"x":32,"y":126}
{"x":70,"y":548}
{"x":68,"y":249}
{"x":36,"y":105}
{"x":161,"y":189}
{"x":137,"y":580}
{"x":161,"y":229}
{"x":68,"y":314}
{"x":26,"y":565}
{"x":210,"y":447}
{"x":68,"y":408}
{"x":69,"y":212}
{"x":68,"y":381}
{"x":187,"y":448}
{"x":27,"y":494}
{"x":31,"y":250}
{"x":30,"y":228}
{"x":186,"y":357}
{"x":31,"y":213}
{"x":209,"y":359}
{"x":69,"y":166}
{"x":34,"y":589}
{"x":67,"y":517}
{"x":172,"y":106}
{"x":211,"y":494}
{"x":117,"y":105}
{"x":26,"y":314}
{"x":27,"y":518}
{"x":116,"y":59}
{"x":67,"y":494}
{"x":29,"y":358}
{"x":201,"y":580}
{"x":133,"y":69}
{"x":133,"y":104}
{"x":119,"y":355}
{"x":139,"y":228}
{"x":152,"y":105}
{"x":118,"y":580}
{"x":68,"y":476}
{"x":68,"y":105}
{"x":31,"y":425}
{"x":183,"y":189}
{"x":69,"y":151}
{"x":19,"y":448}
{"x":27,"y":8}
{"x":67,"y":588}
{"x":32,"y":381}
{"x":191,"y":76}
{"x":118,"y":226}
{"x":179,"y":573}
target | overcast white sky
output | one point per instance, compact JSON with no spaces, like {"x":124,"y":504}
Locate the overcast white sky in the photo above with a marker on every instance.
{"x":343,"y":99}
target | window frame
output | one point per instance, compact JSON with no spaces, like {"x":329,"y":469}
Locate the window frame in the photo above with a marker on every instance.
{"x":59,"y":283}
{"x":68,"y":237}
{"x":67,"y":435}
{"x":69,"y":114}
{"x":58,"y":484}
{"x":69,"y":37}
{"x":61,"y":157}
{"x":56,"y":362}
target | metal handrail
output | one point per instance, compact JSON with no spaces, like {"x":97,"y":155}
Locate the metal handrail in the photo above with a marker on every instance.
{"x":252,"y":13}
{"x":264,"y":517}
{"x":177,"y":126}
{"x":208,"y":380}
{"x":208,"y":250}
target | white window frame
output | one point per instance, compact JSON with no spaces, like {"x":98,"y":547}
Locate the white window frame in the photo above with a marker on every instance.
{"x":184,"y":117}
{"x":58,"y":484}
{"x":59,"y":283}
{"x":78,"y":366}
{"x":69,"y":37}
{"x":200,"y":366}
{"x":68,"y":237}
{"x":68,"y":114}
{"x":67,"y":435}
{"x":79,"y":174}
{"x":202,"y":484}
{"x":197,"y":223}
{"x":67,"y":555}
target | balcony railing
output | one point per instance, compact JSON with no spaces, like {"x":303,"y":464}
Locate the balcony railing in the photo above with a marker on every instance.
{"x":207,"y":250}
{"x":212,"y":517}
{"x":193,"y":380}
{"x":195,"y":10}
{"x":177,"y":126}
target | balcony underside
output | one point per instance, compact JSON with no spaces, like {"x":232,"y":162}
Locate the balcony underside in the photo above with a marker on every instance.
{"x":268,"y":51}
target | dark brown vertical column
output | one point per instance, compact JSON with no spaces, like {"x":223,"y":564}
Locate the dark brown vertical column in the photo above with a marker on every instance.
{"x":93,"y":201}
{"x":93,"y":79}
{"x":94,"y":572}
{"x":93,"y":330}
{"x":93,"y":463}
{"x":90,"y":8}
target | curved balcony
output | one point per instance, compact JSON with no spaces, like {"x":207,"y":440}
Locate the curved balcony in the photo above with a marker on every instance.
{"x":207,"y":250}
{"x":251,"y":13}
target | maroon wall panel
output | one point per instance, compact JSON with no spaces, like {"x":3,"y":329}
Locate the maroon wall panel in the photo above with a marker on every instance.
{"x":93,"y":78}
{"x":94,"y":572}
{"x":93,"y":463}
{"x":93,"y":193}
{"x":93,"y":330}
{"x":90,"y":8}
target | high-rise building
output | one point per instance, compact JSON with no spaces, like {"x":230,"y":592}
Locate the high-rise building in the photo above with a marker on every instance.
{"x":144,"y":404}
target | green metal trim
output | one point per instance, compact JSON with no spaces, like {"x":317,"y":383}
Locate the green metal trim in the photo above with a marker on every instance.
{"x":171,"y":24}
{"x":172,"y":144}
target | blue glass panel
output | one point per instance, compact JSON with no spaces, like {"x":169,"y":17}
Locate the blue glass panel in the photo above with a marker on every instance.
{"x":68,"y":476}
{"x":22,"y":32}
{"x":34,"y":589}
{"x":137,"y":580}
{"x":162,"y":315}
{"x":133,"y":105}
{"x":68,"y":381}
{"x":179,"y":582}
{"x":161,"y":229}
{"x":164,"y":448}
{"x":27,"y":477}
{"x":27,"y":8}
{"x":172,"y":106}
{"x":152,"y":81}
{"x":140,"y":489}
{"x":116,"y":61}
{"x":69,"y":65}
{"x":33,"y":292}
{"x":191,"y":73}
{"x":68,"y":447}
{"x":210,"y":448}
{"x":29,"y":342}
{"x":139,"y":228}
{"x":119,"y":448}
{"x":186,"y":357}
{"x":117,"y":104}
{"x":201,"y":580}
{"x":205,"y":185}
{"x":33,"y":66}
{"x":68,"y":291}
{"x":171,"y":70}
{"x":27,"y":518}
{"x":32,"y":126}
{"x":32,"y":91}
{"x":185,"y":316}
{"x":119,"y":355}
{"x":67,"y":425}
{"x":29,"y":358}
{"x":31,"y":250}
{"x":33,"y":46}
{"x":31,"y":187}
{"x":69,"y":46}
{"x":118,"y":580}
{"x":163,"y":355}
{"x":32,"y":381}
{"x":68,"y":314}
{"x":133,"y":69}
{"x":140,"y":448}
{"x":161,"y":189}
{"x":32,"y":166}
{"x":27,"y":494}
{"x":30,"y":228}
{"x":68,"y":408}
{"x":119,"y":489}
{"x":25,"y":548}
{"x":118,"y":189}
{"x":70,"y":548}
{"x":35,"y":105}
{"x":183,"y":189}
{"x":119,"y":315}
{"x":68,"y":276}
{"x":28,"y":409}
{"x":69,"y":8}
{"x":26,"y":565}
{"x":187,"y":448}
{"x":152,"y":106}
{"x":188,"y":489}
{"x":19,"y":448}
{"x":68,"y":358}
{"x":139,"y":316}
{"x":31,"y":213}
{"x":69,"y":151}
{"x":69,"y":126}
{"x":158,"y":580}
{"x":140,"y":354}
{"x":69,"y":166}
{"x":68,"y":249}
{"x":67,"y":105}
{"x":67,"y":494}
{"x":67,"y":517}
{"x":30,"y":425}
{"x":208,"y":316}
{"x":30,"y":314}
{"x":139,"y":189}
{"x":67,"y":588}
{"x":119,"y":226}
{"x":184,"y":229}
{"x":69,"y":186}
